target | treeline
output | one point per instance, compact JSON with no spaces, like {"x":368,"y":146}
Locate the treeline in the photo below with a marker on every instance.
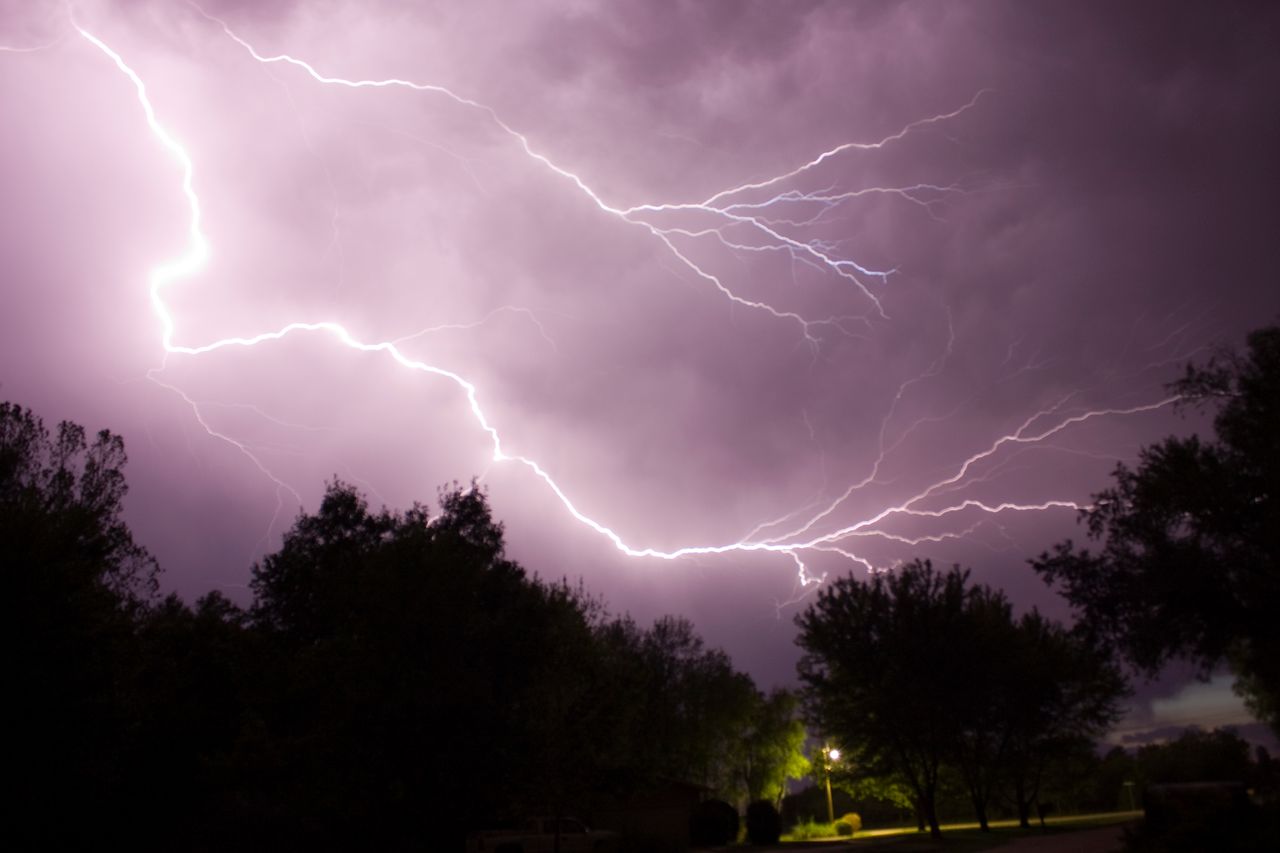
{"x":1084,"y":780}
{"x":1194,"y":756}
{"x":396,"y":681}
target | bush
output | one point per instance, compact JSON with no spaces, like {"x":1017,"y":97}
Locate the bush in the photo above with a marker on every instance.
{"x":851,"y":820}
{"x":764,"y":825}
{"x":714,"y":824}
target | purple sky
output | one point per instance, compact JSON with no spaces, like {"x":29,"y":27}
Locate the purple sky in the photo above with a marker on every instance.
{"x":704,"y":265}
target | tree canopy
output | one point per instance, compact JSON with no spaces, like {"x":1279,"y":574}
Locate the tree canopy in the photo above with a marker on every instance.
{"x":62,"y":498}
{"x":771,"y":749}
{"x":1189,"y":564}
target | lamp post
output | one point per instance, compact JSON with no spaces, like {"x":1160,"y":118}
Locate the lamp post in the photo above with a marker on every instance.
{"x":829,"y":754}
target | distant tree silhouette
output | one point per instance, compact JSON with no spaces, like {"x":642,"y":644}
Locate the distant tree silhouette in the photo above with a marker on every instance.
{"x":1220,"y":755}
{"x":1190,"y":557}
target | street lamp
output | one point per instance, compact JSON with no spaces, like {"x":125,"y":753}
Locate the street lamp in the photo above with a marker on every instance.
{"x":829,"y":754}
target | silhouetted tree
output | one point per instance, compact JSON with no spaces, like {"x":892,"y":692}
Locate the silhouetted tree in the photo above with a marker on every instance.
{"x":1190,"y":558}
{"x":686,"y":708}
{"x":1110,"y":777}
{"x":1220,"y":755}
{"x":421,"y":672}
{"x":74,"y":582}
{"x":881,"y":663}
{"x":983,"y":702}
{"x":1058,"y":694}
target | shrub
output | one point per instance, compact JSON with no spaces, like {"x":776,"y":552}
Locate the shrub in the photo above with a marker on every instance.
{"x":714,"y":824}
{"x":764,"y":826}
{"x":853,"y":820}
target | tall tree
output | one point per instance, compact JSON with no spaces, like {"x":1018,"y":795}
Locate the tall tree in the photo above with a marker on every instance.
{"x":981,"y":703}
{"x":1189,"y":564}
{"x":696,"y":703}
{"x":74,"y":582}
{"x":880,"y":666}
{"x":771,"y":747}
{"x":420,"y":673}
{"x":1059,"y":694}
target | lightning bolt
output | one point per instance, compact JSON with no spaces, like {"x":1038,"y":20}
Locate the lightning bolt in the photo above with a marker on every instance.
{"x":809,"y":529}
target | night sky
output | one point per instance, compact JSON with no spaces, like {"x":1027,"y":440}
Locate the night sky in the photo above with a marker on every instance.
{"x":742,"y":294}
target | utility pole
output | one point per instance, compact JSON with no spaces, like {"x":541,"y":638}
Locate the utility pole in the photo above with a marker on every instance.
{"x":829,"y":754}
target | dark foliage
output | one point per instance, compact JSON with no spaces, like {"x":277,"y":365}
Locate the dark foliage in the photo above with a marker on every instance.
{"x":1056,"y":693}
{"x":410,"y":653}
{"x":1203,"y":824}
{"x":1190,"y":557}
{"x":75,"y":584}
{"x":1197,"y":756}
{"x":764,"y":826}
{"x":714,"y":824}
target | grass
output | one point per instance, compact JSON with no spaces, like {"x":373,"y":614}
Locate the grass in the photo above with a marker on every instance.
{"x":811,"y":831}
{"x":964,"y":837}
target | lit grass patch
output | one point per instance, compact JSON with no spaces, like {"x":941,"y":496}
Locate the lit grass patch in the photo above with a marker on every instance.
{"x":810,"y":830}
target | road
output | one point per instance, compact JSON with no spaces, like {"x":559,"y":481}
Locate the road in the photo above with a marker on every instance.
{"x":1103,"y":840}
